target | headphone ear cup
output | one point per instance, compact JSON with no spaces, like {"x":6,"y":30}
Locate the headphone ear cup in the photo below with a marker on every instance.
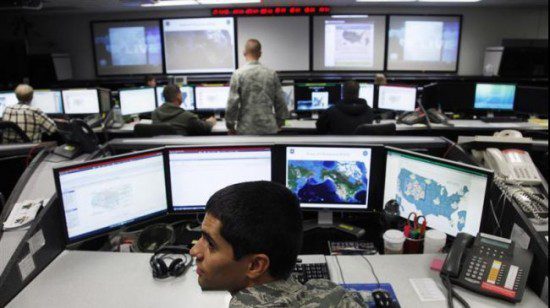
{"x":160,"y":270}
{"x":177,"y":267}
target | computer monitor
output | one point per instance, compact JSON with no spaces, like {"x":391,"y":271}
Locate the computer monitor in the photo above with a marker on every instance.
{"x":288,"y":91}
{"x":197,"y":173}
{"x":494,"y":96}
{"x":100,"y":196}
{"x":137,"y":100}
{"x":80,"y":101}
{"x":532,"y":100}
{"x":366,"y":92}
{"x":316,"y":96}
{"x":449,"y":194}
{"x":187,"y":94}
{"x":211,"y":98}
{"x":49,"y":101}
{"x":7,"y":99}
{"x":397,"y":98}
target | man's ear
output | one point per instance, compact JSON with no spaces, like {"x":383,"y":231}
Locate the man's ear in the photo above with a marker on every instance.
{"x":257,"y":266}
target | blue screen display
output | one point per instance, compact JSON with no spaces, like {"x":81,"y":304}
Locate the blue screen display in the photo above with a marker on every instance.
{"x":495,"y":96}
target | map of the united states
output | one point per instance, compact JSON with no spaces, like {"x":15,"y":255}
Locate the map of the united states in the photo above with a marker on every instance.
{"x":430,"y":197}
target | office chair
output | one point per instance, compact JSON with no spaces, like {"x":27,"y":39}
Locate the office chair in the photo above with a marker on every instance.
{"x":376,"y":129}
{"x":152,"y":130}
{"x":6,"y":126}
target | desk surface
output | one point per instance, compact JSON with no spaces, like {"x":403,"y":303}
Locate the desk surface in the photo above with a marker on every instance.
{"x":107,"y":279}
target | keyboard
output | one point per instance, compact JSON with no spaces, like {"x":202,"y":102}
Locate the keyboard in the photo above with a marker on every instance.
{"x":352,"y":248}
{"x":303,"y":272}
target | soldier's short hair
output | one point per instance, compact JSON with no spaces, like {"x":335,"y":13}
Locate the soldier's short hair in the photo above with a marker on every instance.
{"x":170,"y":93}
{"x":260,"y":217}
{"x":351,"y":89}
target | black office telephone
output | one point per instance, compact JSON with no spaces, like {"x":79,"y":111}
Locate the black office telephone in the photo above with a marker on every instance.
{"x":78,"y":138}
{"x":488,"y":265}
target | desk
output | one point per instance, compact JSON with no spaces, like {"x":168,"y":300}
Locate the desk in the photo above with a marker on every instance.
{"x":107,"y":279}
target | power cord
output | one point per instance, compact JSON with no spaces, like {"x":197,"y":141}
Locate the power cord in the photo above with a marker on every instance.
{"x":339,"y":269}
{"x":372,"y":270}
{"x":452,"y":293}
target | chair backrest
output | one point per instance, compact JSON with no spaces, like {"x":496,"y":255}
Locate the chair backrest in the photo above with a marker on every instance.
{"x":152,"y":130}
{"x":6,"y":126}
{"x":376,"y":129}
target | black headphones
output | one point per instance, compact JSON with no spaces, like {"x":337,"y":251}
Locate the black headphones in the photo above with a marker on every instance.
{"x":177,"y":266}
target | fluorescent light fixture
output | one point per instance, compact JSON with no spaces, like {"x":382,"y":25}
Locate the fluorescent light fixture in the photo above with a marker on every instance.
{"x":385,"y":1}
{"x":159,"y":3}
{"x":223,"y":2}
{"x":350,"y":16}
{"x":449,"y":1}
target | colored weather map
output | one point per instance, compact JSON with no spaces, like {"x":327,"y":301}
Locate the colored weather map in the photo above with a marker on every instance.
{"x":337,"y":182}
{"x":430,"y":197}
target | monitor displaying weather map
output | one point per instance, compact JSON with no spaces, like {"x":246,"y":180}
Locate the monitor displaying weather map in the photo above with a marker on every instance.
{"x":329,"y":177}
{"x":450,"y":195}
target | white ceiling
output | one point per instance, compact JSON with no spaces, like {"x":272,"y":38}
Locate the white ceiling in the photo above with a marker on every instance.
{"x":133,"y":5}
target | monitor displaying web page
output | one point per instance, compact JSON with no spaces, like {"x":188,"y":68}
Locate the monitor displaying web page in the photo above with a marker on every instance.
{"x":7,"y":99}
{"x":98,"y":197}
{"x":49,"y":101}
{"x":136,"y":101}
{"x":329,"y":177}
{"x":397,"y":98}
{"x":366,"y":92}
{"x":317,"y":96}
{"x":197,"y":173}
{"x":80,"y":101}
{"x":187,"y":95}
{"x":450,"y":195}
{"x":495,"y":96}
{"x":211,"y":97}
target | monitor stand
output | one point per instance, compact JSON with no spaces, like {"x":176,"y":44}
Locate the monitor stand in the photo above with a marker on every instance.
{"x":218,"y":116}
{"x":325,"y":220}
{"x":490,"y":118}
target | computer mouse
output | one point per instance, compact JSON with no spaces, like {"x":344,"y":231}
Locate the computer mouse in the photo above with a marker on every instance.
{"x":383,"y":299}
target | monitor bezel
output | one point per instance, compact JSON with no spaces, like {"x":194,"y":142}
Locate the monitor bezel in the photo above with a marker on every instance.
{"x":487,"y":172}
{"x":62,"y":103}
{"x":495,"y":109}
{"x":81,"y":114}
{"x":377,"y":93}
{"x":223,"y":85}
{"x":306,"y":84}
{"x":375,"y":196}
{"x":109,"y":229}
{"x":201,"y":209}
{"x":137,"y":88}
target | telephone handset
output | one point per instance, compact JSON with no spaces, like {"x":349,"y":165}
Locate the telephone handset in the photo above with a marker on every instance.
{"x":488,"y":265}
{"x":513,"y":165}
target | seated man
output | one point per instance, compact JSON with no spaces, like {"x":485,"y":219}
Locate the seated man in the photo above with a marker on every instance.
{"x":31,"y":120}
{"x":251,"y":236}
{"x":187,"y":123}
{"x":345,"y":116}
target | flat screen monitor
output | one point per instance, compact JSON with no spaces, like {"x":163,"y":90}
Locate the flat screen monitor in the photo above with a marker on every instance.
{"x":137,"y":100}
{"x":7,"y":99}
{"x":336,"y":178}
{"x":532,"y":100}
{"x":80,"y":101}
{"x":49,"y":101}
{"x":211,"y":97}
{"x":127,"y":47}
{"x":199,"y":45}
{"x":423,"y":43}
{"x":288,"y":91}
{"x":449,"y":194}
{"x":366,"y":92}
{"x":349,"y":43}
{"x":397,"y":98}
{"x":452,"y":96}
{"x":495,"y":96}
{"x":187,"y":95}
{"x":197,"y":173}
{"x":317,"y":96}
{"x":100,"y":196}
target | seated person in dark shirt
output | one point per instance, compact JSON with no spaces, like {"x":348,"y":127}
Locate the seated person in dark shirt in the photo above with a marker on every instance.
{"x":344,"y":117}
{"x":185,"y":122}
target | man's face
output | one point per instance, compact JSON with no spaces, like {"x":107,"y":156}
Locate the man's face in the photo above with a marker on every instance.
{"x":216,"y":267}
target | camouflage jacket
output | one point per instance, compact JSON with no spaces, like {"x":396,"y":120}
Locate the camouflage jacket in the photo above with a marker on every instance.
{"x":290,"y":293}
{"x":256,"y":104}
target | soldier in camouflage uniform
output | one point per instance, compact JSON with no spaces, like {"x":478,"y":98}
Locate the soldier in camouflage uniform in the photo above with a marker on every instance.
{"x":256,"y":104}
{"x":251,"y":236}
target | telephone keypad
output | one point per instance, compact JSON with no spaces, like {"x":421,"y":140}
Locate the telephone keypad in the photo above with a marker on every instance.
{"x":476,"y":269}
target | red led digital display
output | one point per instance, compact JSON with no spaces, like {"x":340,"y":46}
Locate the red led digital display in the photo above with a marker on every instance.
{"x":273,"y":11}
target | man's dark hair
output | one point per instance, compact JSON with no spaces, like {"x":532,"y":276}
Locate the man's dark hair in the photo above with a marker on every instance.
{"x":260,"y":217}
{"x":170,"y":93}
{"x":149,"y":78}
{"x":351,"y":90}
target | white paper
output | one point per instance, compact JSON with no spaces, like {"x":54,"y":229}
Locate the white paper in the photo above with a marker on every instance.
{"x":520,"y":237}
{"x":26,"y":266}
{"x":427,"y":290}
{"x":23,"y":213}
{"x":37,"y":241}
